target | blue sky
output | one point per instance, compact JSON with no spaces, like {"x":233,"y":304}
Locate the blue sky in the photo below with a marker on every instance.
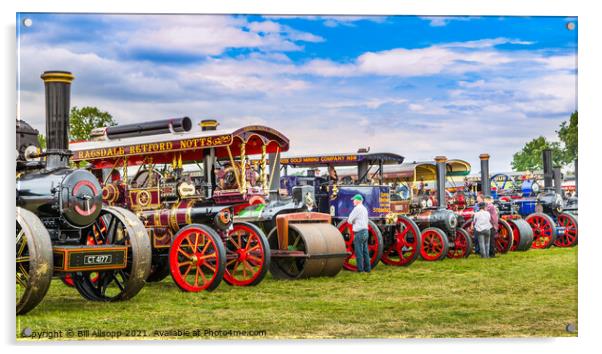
{"x":417,"y":86}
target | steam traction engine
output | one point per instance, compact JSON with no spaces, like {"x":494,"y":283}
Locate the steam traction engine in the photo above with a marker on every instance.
{"x":393,"y":239}
{"x":62,"y":225}
{"x":186,"y":187}
{"x":545,"y":210}
{"x":441,"y":233}
{"x":514,"y":233}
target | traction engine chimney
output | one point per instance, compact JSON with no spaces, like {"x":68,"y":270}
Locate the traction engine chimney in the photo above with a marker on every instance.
{"x":548,"y":173}
{"x":58,"y":93}
{"x":441,"y":174}
{"x":485,"y":184}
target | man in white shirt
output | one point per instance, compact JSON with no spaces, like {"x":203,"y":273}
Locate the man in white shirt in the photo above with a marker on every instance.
{"x":482,"y":228}
{"x":358,"y":218}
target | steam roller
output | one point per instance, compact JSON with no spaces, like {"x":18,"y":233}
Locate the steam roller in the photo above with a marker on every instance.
{"x":305,"y":245}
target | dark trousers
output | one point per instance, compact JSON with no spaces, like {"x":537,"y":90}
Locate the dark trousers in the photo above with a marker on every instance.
{"x":492,"y":237}
{"x":360,"y":245}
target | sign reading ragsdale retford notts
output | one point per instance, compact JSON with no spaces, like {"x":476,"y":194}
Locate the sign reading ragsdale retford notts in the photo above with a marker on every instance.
{"x":151,"y":148}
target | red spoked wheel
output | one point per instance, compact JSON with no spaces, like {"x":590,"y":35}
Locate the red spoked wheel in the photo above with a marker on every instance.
{"x":406,"y":245}
{"x":375,"y":244}
{"x":504,"y":239}
{"x":434,"y":244}
{"x":544,"y":230}
{"x":568,"y":237}
{"x":247,"y":255}
{"x":197,"y":259}
{"x":461,"y":246}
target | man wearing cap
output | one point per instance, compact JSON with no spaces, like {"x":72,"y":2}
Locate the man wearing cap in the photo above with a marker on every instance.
{"x":358,"y":218}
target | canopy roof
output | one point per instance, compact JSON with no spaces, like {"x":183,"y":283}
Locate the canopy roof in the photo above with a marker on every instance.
{"x":426,"y":170}
{"x":191,"y":146}
{"x":340,"y":159}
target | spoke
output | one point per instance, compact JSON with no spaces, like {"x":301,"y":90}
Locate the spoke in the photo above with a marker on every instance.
{"x":235,"y":266}
{"x":233,"y":242}
{"x":196,"y":276}
{"x":23,"y":245}
{"x":257,"y":261}
{"x":209,"y":266}
{"x":296,"y":241}
{"x":117,"y":282}
{"x":249,"y":241}
{"x":187,"y":271}
{"x":184,"y":252}
{"x":213,"y":255}
{"x":254,"y":247}
{"x":24,"y":272}
{"x":23,"y":259}
{"x":203,"y":276}
{"x":180,"y":264}
{"x":21,"y":282}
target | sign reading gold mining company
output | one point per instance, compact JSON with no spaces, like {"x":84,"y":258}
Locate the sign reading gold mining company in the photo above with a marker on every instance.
{"x":153,"y":148}
{"x":317,"y":159}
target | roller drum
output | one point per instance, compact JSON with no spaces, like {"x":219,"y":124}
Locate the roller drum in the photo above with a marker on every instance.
{"x":322,"y":245}
{"x":525,"y":234}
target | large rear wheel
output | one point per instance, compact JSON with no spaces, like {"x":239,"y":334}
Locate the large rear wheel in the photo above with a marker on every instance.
{"x":34,"y":261}
{"x":375,"y":244}
{"x":116,"y":226}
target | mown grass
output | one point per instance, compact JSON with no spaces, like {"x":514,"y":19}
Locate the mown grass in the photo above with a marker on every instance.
{"x":521,"y":294}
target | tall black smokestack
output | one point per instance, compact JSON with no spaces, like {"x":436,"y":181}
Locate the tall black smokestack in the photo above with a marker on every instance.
{"x":441,"y":174}
{"x":557,"y":180}
{"x":485,"y":184}
{"x":58,"y":94}
{"x":548,"y":173}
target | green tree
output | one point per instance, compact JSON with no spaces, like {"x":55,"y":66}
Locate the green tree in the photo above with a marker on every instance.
{"x":529,"y":158}
{"x":569,"y":136}
{"x":42,"y":141}
{"x":83,"y":120}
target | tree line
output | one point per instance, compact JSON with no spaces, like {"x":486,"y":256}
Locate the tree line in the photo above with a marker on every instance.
{"x":564,"y":151}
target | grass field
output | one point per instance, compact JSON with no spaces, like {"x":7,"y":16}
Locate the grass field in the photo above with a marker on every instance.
{"x":520,"y":294}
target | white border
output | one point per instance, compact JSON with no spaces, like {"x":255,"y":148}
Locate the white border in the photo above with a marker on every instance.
{"x":590,"y":173}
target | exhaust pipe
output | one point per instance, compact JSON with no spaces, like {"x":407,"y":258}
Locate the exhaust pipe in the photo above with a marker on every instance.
{"x":485,"y":184}
{"x":58,"y":93}
{"x":164,"y":126}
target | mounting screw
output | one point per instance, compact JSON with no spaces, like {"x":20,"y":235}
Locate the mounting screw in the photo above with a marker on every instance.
{"x":570,"y":328}
{"x":570,"y":26}
{"x":26,"y":332}
{"x":27,"y":22}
